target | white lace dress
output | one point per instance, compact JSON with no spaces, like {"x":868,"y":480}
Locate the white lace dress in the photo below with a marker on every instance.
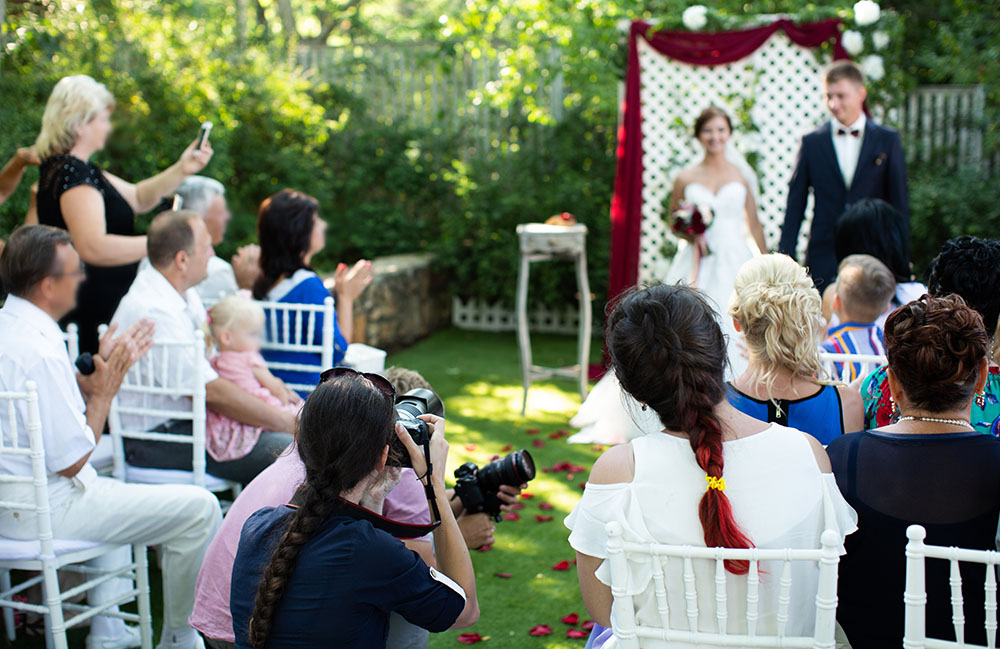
{"x":779,"y":498}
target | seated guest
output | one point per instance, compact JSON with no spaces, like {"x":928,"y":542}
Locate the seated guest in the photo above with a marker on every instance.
{"x":668,"y":352}
{"x":236,"y":323}
{"x":874,"y":227}
{"x":179,"y":250}
{"x":323,"y":571}
{"x":207,"y":196}
{"x":97,"y":208}
{"x":777,"y":308}
{"x":42,"y":273}
{"x":276,"y":485}
{"x":290,"y":232}
{"x":931,"y":467}
{"x":970,"y":268}
{"x":862,"y":293}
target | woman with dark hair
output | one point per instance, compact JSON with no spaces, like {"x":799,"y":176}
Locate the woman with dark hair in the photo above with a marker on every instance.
{"x":322,"y":571}
{"x":874,"y":227}
{"x":930,"y":467}
{"x":970,"y":268}
{"x":712,"y":477}
{"x":291,"y":232}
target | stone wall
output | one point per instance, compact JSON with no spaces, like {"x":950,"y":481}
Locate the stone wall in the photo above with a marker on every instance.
{"x":406,"y":301}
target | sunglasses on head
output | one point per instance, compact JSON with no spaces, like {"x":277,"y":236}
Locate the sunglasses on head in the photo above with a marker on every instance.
{"x":380,"y":382}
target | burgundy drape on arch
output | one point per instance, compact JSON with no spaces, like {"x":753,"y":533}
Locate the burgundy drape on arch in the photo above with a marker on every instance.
{"x":697,"y":49}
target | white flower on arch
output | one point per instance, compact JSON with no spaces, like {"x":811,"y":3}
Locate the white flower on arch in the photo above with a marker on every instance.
{"x":695,"y":17}
{"x":866,"y":12}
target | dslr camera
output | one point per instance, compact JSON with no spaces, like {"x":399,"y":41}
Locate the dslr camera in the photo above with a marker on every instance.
{"x":409,"y":406}
{"x":478,"y":488}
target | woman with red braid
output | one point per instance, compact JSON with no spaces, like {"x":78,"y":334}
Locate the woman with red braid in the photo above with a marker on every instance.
{"x":712,"y":477}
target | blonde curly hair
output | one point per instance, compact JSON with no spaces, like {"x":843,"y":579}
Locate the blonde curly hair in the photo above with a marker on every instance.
{"x":781,"y":315}
{"x":74,"y":101}
{"x":232,"y":311}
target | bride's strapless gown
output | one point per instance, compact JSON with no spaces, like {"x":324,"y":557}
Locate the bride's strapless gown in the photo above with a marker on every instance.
{"x":609,"y":416}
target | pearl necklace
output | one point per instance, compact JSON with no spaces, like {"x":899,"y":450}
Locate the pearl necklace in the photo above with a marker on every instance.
{"x":937,"y":420}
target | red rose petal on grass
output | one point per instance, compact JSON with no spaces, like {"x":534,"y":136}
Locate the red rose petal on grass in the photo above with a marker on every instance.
{"x":533,"y":431}
{"x":503,"y":575}
{"x":545,"y":506}
{"x":469,"y":638}
{"x":546,"y":469}
{"x":598,"y":447}
{"x":485,"y":548}
{"x":512,"y":516}
{"x":527,"y":494}
{"x":517,"y":506}
{"x":540,"y":629}
{"x":507,"y":447}
{"x":583,"y":486}
{"x":577,"y":633}
{"x":574,"y":562}
{"x":542,"y":519}
{"x":588,"y":625}
{"x":538,"y":443}
{"x":570,"y":476}
{"x":562,"y":565}
{"x":571,"y":619}
{"x":470,"y":447}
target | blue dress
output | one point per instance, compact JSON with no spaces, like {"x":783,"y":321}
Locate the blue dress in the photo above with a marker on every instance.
{"x":304,"y":287}
{"x":820,"y":414}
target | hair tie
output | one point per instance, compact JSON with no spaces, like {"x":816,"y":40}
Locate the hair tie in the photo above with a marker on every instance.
{"x":715,"y":483}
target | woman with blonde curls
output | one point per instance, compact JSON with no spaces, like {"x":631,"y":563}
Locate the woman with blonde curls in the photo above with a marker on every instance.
{"x":780,"y":313}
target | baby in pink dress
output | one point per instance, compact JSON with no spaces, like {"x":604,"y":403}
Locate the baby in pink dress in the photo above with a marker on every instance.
{"x":236,"y":324}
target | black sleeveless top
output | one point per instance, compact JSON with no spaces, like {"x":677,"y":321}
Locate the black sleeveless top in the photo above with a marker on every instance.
{"x":105,"y":285}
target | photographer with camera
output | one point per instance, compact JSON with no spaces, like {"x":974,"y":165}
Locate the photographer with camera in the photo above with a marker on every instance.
{"x":323,"y":571}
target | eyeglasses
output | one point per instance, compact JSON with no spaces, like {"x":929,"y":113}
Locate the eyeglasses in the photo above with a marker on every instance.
{"x":380,"y":382}
{"x":79,"y":272}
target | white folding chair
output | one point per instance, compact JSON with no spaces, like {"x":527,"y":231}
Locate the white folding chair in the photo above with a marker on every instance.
{"x":168,"y":376}
{"x":72,"y":337}
{"x":867,"y":362}
{"x":290,"y":327}
{"x":47,"y":555}
{"x":628,"y":632}
{"x":915,"y":595}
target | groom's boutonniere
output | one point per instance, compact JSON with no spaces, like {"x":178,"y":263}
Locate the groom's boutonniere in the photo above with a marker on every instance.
{"x":880,"y":159}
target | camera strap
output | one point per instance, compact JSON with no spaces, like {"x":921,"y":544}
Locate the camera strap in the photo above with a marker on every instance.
{"x":357,"y":512}
{"x":429,"y":487}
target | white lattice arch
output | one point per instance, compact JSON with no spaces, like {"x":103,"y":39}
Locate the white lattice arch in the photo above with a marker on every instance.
{"x":785,"y":82}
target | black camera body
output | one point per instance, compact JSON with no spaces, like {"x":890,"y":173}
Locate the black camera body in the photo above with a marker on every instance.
{"x":478,"y":488}
{"x":409,"y":406}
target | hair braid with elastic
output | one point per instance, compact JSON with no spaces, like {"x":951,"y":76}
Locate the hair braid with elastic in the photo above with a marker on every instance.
{"x":668,"y":351}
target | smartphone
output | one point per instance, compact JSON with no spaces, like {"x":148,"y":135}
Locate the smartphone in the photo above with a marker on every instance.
{"x":206,"y":128}
{"x":178,"y":203}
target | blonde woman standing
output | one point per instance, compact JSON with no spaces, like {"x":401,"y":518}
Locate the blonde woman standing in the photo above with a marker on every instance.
{"x":96,"y":207}
{"x":779,"y":312}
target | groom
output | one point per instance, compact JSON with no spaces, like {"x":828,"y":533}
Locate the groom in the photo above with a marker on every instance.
{"x":843,"y":161}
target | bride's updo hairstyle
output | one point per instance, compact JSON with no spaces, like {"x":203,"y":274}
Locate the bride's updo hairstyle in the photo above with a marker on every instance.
{"x":780,"y":314}
{"x":709,"y":114}
{"x":667,"y":350}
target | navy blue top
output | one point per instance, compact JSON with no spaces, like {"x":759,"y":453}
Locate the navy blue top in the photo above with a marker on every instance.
{"x":348,"y":578}
{"x":819,"y":414}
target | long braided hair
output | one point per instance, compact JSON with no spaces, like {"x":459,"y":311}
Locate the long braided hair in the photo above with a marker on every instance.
{"x":668,"y":351}
{"x":343,"y":428}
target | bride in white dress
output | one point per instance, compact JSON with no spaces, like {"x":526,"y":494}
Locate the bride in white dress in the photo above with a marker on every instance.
{"x":724,"y":183}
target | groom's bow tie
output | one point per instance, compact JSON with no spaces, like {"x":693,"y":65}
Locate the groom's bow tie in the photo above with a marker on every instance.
{"x":855,"y":132}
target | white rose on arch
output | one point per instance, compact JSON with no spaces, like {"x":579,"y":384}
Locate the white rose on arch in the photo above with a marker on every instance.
{"x":695,"y":17}
{"x":873,"y":67}
{"x":853,"y":42}
{"x":866,"y":12}
{"x":880,"y":39}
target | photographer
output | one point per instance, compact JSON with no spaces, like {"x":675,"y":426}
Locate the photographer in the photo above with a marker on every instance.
{"x":330,"y":573}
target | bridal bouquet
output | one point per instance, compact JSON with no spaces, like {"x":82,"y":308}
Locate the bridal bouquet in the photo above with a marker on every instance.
{"x":690,"y":222}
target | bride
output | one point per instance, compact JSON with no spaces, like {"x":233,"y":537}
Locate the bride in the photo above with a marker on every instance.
{"x":723,"y":183}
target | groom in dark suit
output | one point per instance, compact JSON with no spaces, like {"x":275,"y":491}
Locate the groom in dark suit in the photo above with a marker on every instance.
{"x":845,"y":160}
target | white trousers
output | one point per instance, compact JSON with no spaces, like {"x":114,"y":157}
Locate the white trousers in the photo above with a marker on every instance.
{"x":180,"y":519}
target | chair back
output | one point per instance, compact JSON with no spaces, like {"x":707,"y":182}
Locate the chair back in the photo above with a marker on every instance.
{"x":166,"y":383}
{"x":72,"y":337}
{"x":628,"y":631}
{"x":915,"y":595}
{"x":848,"y":367}
{"x":24,"y":441}
{"x":291,"y":327}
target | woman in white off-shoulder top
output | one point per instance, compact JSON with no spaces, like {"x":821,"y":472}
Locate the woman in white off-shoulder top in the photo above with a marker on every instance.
{"x":713,"y":477}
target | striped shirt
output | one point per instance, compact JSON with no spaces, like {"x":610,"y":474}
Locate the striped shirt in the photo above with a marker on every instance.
{"x":855,"y":338}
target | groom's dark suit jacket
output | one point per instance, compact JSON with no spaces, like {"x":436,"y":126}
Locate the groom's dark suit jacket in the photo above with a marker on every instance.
{"x":881,"y":173}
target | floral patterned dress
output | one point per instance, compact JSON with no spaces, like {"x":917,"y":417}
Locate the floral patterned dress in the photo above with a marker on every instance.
{"x":878,"y":407}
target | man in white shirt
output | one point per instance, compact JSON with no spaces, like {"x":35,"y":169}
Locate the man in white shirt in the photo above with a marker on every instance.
{"x":207,"y":196}
{"x":42,"y":273}
{"x":179,"y":247}
{"x":847,"y":159}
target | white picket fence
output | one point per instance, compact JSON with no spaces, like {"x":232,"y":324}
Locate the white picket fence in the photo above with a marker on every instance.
{"x":944,"y":125}
{"x":478,"y":316}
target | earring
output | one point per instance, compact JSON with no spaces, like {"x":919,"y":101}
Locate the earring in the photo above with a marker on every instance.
{"x":895,"y":408}
{"x":981,"y":400}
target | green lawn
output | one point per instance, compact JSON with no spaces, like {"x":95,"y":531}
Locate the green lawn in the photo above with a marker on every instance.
{"x":478,"y":377}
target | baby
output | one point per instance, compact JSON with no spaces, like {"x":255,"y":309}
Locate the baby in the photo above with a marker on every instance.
{"x":235,"y":324}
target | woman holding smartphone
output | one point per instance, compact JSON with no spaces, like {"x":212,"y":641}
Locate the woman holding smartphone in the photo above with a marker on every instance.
{"x":96,"y":207}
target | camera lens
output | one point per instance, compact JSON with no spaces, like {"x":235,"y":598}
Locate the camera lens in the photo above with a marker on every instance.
{"x":419,"y":402}
{"x":515,"y":469}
